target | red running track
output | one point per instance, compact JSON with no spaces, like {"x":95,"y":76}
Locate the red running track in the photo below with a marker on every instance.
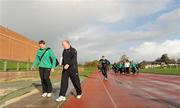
{"x":120,"y":91}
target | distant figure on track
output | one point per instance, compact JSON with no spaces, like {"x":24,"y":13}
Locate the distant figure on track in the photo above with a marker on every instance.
{"x":46,"y":61}
{"x":70,"y":70}
{"x":115,"y":68}
{"x":127,"y":67}
{"x":104,"y":66}
{"x":133,"y":68}
{"x":120,"y":67}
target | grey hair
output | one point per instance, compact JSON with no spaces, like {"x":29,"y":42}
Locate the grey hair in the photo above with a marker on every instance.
{"x":67,"y":41}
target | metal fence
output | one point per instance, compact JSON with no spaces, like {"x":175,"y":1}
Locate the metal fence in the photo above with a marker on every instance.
{"x":6,"y":65}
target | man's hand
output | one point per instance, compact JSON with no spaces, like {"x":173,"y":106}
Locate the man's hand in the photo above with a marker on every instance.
{"x":52,"y":70}
{"x":66,"y":66}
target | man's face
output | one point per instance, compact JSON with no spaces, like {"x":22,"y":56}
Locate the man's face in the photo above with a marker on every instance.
{"x":65,"y":45}
{"x":42,"y":46}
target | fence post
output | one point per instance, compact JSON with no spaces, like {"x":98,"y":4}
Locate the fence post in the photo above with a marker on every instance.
{"x":5,"y":66}
{"x":27,"y":66}
{"x":17,"y":67}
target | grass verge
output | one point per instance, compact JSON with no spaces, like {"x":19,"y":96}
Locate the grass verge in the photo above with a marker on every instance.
{"x":87,"y":71}
{"x":164,"y":71}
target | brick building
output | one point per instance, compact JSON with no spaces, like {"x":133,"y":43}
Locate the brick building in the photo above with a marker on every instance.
{"x":14,"y":46}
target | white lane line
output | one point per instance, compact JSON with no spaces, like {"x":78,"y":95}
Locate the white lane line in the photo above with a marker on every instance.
{"x":114,"y":104}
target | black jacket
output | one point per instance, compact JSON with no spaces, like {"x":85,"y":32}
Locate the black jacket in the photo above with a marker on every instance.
{"x":70,"y":58}
{"x":104,"y":63}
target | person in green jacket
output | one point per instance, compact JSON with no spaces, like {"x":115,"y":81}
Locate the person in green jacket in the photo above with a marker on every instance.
{"x":120,"y":67}
{"x":46,"y":61}
{"x":133,"y":68}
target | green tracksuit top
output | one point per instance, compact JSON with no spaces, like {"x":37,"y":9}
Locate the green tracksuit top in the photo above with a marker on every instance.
{"x":45,"y":61}
{"x":133,"y":66}
{"x":119,"y":66}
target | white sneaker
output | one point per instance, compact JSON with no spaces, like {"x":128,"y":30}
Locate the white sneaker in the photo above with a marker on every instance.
{"x":44,"y":94}
{"x":79,"y":96}
{"x":105,"y":79}
{"x":49,"y":94}
{"x":61,"y":98}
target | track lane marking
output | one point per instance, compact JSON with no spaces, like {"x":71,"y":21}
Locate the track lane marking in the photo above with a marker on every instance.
{"x":108,"y":93}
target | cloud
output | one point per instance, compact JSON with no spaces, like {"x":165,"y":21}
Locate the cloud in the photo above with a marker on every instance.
{"x":153,"y":50}
{"x":167,"y":23}
{"x":131,"y":9}
{"x":97,"y":40}
{"x":89,"y":24}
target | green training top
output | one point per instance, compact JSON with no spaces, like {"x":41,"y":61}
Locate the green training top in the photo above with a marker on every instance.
{"x":45,"y":61}
{"x":119,"y":66}
{"x":132,"y":65}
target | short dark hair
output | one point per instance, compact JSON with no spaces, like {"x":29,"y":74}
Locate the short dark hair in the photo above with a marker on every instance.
{"x":42,"y":42}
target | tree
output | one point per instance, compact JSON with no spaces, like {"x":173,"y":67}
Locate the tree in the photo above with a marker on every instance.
{"x":124,"y":58}
{"x":164,"y":58}
{"x":178,"y":61}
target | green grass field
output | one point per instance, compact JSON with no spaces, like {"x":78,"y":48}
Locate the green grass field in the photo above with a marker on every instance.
{"x":1,"y":65}
{"x":12,"y":65}
{"x":164,"y":71}
{"x":87,"y":71}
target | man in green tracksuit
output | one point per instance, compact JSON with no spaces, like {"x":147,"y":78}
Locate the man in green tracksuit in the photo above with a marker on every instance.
{"x":120,"y":67}
{"x":133,"y":68}
{"x":46,"y":61}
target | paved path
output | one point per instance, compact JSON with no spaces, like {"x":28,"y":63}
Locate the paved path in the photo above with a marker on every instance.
{"x":36,"y":101}
{"x":140,"y":91}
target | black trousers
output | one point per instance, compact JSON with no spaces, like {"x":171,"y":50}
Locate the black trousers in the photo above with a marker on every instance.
{"x":133,"y":70}
{"x":74,"y":76}
{"x":45,"y":80}
{"x":127,"y":70}
{"x":104,"y":72}
{"x":121,"y":70}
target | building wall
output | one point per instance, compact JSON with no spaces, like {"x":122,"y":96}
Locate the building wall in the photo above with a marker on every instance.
{"x":14,"y":46}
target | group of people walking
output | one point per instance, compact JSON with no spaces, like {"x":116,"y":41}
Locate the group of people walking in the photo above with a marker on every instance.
{"x":125,"y":67}
{"x":46,"y":61}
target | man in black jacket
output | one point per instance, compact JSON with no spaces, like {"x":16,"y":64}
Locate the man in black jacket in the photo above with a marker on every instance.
{"x":70,"y":69}
{"x":104,"y":66}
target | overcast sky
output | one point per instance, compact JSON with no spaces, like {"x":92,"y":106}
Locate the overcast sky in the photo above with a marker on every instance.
{"x":141,"y":29}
